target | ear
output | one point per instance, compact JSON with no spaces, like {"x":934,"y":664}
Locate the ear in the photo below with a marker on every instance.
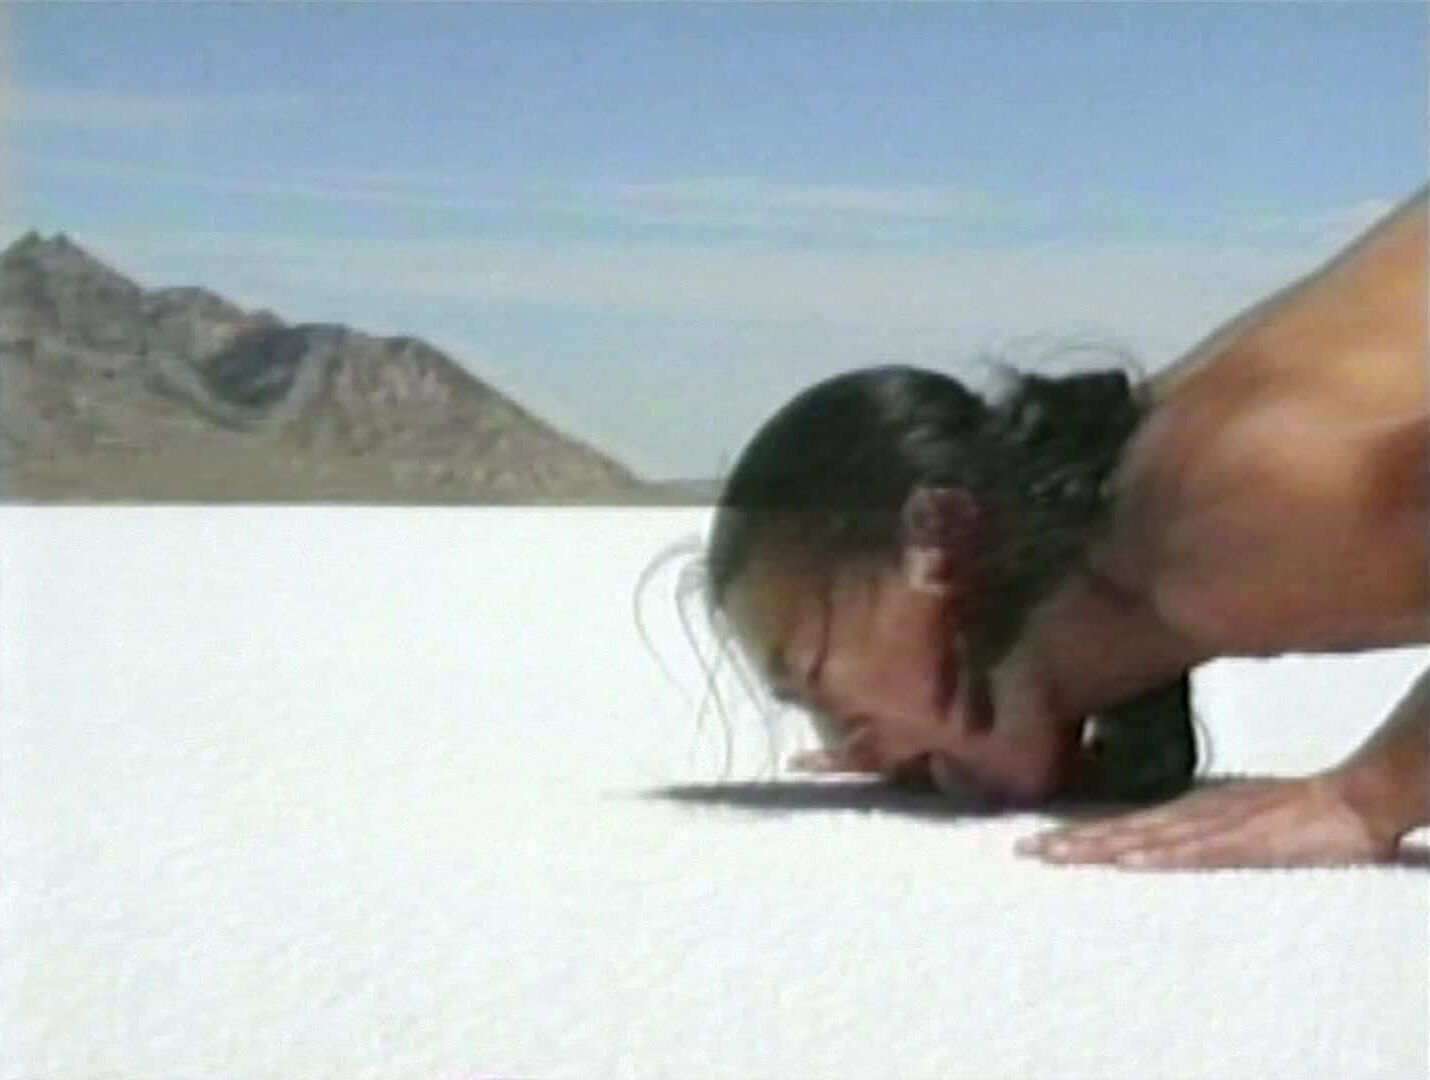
{"x":939,"y":530}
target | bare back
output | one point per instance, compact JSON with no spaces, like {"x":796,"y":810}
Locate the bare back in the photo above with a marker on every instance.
{"x":1278,"y":497}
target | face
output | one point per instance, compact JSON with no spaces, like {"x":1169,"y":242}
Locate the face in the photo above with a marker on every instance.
{"x":878,"y":664}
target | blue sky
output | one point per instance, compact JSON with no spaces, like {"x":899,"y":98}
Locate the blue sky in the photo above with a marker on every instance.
{"x":651,"y":223}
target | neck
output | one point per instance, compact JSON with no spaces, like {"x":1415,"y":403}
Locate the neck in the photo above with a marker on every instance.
{"x":1050,"y":450}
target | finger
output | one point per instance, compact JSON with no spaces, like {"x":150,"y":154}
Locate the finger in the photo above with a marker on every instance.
{"x":1281,"y":824}
{"x":1252,"y":831}
{"x":1124,"y":849}
{"x":1197,"y":808}
{"x":1182,"y":822}
{"x":1280,"y":834}
{"x":1112,"y":847}
{"x":1110,"y":835}
{"x":1253,"y":845}
{"x":1180,"y":812}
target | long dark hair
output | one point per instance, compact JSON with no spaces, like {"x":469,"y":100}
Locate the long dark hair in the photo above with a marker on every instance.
{"x":825,"y":481}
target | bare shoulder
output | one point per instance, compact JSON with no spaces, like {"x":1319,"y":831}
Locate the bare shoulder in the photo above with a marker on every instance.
{"x":1293,"y":451}
{"x":1335,"y":358}
{"x":1354,"y":331}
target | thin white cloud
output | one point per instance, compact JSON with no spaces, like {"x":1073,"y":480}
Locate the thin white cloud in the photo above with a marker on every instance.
{"x":1158,"y":294}
{"x":108,"y":112}
{"x":1340,"y":223}
{"x":746,"y":328}
{"x":736,"y":204}
{"x":746,"y":197}
{"x":312,"y":186}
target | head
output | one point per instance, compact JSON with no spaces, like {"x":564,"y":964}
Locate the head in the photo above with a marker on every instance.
{"x":882,"y":542}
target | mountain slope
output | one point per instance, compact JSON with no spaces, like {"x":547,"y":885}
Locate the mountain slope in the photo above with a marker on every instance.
{"x":112,"y":391}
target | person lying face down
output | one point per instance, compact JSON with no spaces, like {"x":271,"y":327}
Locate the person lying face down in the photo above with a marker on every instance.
{"x":951,"y":586}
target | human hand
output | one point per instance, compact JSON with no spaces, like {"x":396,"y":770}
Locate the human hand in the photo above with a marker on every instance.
{"x":1304,"y":821}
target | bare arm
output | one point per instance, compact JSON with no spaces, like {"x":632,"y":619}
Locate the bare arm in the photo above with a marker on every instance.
{"x":1387,"y":780}
{"x":1277,"y":501}
{"x":1276,"y":497}
{"x":1356,"y":812}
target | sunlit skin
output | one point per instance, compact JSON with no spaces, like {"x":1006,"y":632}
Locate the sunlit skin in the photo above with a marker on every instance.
{"x":1277,"y":499}
{"x":872,"y":659}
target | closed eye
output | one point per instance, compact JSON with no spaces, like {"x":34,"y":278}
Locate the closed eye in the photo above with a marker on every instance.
{"x":791,"y":687}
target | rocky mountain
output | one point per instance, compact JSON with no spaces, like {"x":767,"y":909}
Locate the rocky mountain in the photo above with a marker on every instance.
{"x":111,"y":391}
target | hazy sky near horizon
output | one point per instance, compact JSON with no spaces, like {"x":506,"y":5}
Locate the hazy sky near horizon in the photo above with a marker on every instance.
{"x":652,"y":223}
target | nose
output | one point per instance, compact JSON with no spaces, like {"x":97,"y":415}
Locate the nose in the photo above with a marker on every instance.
{"x":885,"y":744}
{"x":916,"y":715}
{"x":961,"y":762}
{"x":956,"y":775}
{"x":906,"y":705}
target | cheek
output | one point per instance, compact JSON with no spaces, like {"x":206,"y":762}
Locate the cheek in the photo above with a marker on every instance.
{"x":923,"y":674}
{"x":887,"y":685}
{"x":890,"y":665}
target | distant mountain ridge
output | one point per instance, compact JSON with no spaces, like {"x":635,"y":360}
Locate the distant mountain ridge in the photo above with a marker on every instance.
{"x":109,"y":390}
